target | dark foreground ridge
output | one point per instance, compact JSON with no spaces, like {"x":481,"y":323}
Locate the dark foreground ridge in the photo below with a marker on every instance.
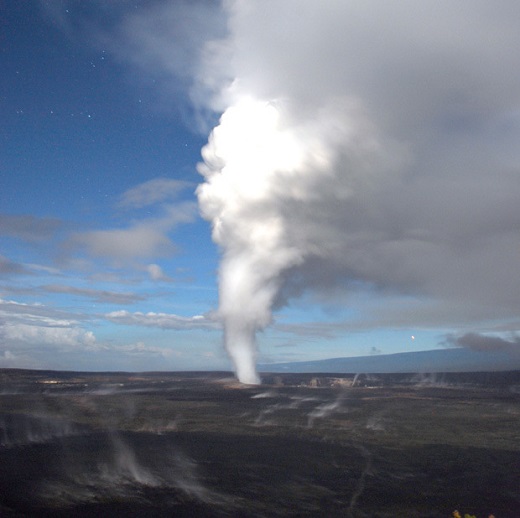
{"x":200,"y":444}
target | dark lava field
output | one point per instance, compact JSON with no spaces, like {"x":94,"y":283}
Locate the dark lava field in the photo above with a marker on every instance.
{"x":201,"y":445}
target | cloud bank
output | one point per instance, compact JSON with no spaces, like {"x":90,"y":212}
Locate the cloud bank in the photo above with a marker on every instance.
{"x":42,"y":337}
{"x":30,"y":332}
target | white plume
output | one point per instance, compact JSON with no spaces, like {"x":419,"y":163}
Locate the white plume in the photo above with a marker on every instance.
{"x":358,"y":146}
{"x":262,"y":165}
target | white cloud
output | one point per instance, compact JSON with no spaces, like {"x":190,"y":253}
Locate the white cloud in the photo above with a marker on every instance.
{"x":60,"y":336}
{"x":8,"y":267}
{"x":139,"y":241}
{"x":162,"y":320}
{"x":36,"y":312}
{"x":28,"y":227}
{"x":30,"y":327}
{"x":156,"y":273}
{"x":111,"y":297}
{"x":39,"y":268}
{"x":142,"y":349}
{"x":10,"y":360}
{"x":159,"y":190}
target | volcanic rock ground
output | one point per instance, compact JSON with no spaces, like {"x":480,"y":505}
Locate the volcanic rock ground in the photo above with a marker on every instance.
{"x":199,"y":444}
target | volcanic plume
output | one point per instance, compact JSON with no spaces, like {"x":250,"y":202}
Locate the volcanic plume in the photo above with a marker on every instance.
{"x":357,"y":148}
{"x":262,"y":167}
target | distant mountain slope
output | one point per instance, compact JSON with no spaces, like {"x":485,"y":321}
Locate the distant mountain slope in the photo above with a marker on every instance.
{"x":441,"y":360}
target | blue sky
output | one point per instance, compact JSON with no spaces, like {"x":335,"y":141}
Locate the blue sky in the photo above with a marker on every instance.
{"x":407,"y":240}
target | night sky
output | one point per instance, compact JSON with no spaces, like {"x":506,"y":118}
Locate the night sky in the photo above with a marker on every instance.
{"x":409,"y":240}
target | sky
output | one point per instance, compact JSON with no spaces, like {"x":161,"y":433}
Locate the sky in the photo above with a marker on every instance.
{"x":185,"y":182}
